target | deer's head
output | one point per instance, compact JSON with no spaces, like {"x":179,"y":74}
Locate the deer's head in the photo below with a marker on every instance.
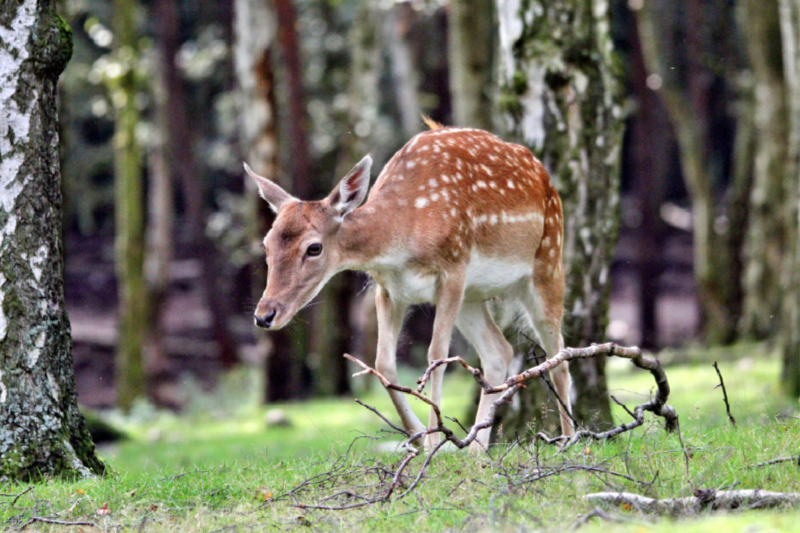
{"x":302,"y":248}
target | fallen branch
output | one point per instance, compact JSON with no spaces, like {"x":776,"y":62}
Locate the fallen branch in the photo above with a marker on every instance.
{"x":703,"y":499}
{"x":384,"y":489}
{"x":509,"y":387}
{"x":724,"y":395}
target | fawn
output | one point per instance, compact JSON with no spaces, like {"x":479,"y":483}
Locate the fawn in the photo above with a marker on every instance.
{"x":457,"y":218}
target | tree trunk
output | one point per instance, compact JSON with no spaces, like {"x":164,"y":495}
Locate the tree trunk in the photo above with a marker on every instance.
{"x":255,"y":30}
{"x":182,"y":162}
{"x":401,"y":62}
{"x":129,"y":209}
{"x":471,"y":58}
{"x":160,"y":222}
{"x":561,"y":95}
{"x":685,"y":93}
{"x":790,"y":334}
{"x":42,"y":433}
{"x":765,"y":241}
{"x":650,"y":150}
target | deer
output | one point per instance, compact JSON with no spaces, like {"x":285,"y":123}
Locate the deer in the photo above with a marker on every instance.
{"x":458,"y":218}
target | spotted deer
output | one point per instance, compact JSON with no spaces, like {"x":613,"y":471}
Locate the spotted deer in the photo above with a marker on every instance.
{"x":458,"y":218}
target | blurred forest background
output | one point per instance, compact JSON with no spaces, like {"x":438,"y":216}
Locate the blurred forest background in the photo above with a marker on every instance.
{"x":164,"y":99}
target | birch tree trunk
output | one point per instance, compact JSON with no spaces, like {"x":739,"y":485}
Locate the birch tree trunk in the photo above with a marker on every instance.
{"x":765,"y":240}
{"x":790,"y":334}
{"x":470,"y":45}
{"x":561,"y":95}
{"x":42,"y":433}
{"x":129,"y":209}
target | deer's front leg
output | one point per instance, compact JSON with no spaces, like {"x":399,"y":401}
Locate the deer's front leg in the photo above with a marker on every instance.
{"x":390,"y":321}
{"x":450,"y":293}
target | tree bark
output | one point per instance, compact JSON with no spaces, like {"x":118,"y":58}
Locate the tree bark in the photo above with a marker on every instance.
{"x":685,"y":93}
{"x":255,"y":30}
{"x":182,"y":162}
{"x":790,"y":332}
{"x":650,"y":150}
{"x":161,"y":219}
{"x":129,"y":209}
{"x":561,"y":94}
{"x":765,"y":241}
{"x":471,"y":40}
{"x":42,"y":433}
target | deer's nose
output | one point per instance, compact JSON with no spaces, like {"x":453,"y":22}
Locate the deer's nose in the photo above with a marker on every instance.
{"x":266,"y":320}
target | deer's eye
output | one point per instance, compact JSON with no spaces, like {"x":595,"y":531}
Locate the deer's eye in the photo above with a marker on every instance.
{"x":314,"y":249}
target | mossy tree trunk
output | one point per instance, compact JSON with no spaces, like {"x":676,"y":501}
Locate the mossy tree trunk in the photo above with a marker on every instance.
{"x":561,"y":94}
{"x":790,"y":332}
{"x":42,"y":433}
{"x":766,"y":240}
{"x":129,"y":208}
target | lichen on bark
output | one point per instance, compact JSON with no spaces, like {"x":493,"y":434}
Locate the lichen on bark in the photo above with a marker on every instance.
{"x":42,"y":433}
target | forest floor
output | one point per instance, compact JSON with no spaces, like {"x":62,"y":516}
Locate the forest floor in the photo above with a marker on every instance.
{"x":218,"y":467}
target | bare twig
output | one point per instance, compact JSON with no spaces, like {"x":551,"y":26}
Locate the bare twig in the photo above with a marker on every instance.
{"x":397,"y":429}
{"x":17,"y":496}
{"x":595,"y":513}
{"x":724,"y":395}
{"x":793,"y":459}
{"x":34,"y":519}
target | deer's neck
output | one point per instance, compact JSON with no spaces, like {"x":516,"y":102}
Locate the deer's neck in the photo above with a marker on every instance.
{"x":366,"y":237}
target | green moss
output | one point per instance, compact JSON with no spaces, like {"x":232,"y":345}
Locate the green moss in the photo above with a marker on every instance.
{"x":52,"y":48}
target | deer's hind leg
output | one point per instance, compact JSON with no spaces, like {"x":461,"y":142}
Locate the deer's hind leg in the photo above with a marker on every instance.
{"x":544,"y":303}
{"x":476,"y":324}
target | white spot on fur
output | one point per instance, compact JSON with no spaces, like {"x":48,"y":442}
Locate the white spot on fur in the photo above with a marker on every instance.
{"x":493,"y":185}
{"x":546,"y":242}
{"x":434,"y":196}
{"x":481,"y":184}
{"x":493,"y":220}
{"x":552,"y":252}
{"x":510,"y":184}
{"x":445,"y":178}
{"x":453,"y":211}
{"x":410,"y":163}
{"x":558,"y":239}
{"x":432,"y":182}
{"x":420,"y":202}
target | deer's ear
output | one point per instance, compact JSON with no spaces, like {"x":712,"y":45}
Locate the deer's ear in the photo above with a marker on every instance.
{"x":270,"y":191}
{"x":352,"y":189}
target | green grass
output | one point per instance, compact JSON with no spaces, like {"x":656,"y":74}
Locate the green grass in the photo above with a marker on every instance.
{"x":220,"y":467}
